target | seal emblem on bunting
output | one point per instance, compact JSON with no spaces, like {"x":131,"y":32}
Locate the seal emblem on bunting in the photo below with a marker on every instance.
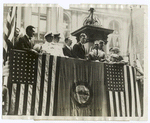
{"x":81,"y":93}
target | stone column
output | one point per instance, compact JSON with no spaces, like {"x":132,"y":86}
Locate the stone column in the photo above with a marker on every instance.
{"x":53,"y":19}
{"x":19,"y":17}
{"x":60,"y":23}
{"x":27,"y":16}
{"x":79,"y":19}
{"x":73,"y":25}
{"x":48,"y":23}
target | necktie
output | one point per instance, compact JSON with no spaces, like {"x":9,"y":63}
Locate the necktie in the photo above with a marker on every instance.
{"x":83,"y":47}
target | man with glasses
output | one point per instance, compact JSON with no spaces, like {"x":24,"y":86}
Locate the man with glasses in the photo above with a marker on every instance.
{"x":79,"y":48}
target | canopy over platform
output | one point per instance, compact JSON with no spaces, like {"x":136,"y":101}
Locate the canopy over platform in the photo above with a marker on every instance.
{"x":92,"y":29}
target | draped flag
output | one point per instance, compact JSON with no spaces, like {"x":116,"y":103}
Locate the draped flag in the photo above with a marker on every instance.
{"x":45,"y":85}
{"x":9,"y":29}
{"x":33,"y":84}
{"x":122,"y":91}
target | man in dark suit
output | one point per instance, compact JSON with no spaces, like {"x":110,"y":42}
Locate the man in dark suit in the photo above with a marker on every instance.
{"x":67,"y":50}
{"x":79,"y":48}
{"x":25,"y":41}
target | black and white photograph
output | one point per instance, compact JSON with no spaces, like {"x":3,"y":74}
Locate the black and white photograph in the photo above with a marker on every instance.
{"x":87,"y":61}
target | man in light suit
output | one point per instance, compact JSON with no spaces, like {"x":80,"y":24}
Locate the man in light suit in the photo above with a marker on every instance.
{"x":25,"y":42}
{"x":67,"y":50}
{"x":79,"y":48}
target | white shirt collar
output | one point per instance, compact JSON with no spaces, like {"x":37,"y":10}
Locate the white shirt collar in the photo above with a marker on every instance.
{"x":27,"y":36}
{"x":68,"y":47}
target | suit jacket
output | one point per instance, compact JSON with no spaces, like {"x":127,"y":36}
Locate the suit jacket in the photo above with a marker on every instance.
{"x":23,"y":43}
{"x":79,"y":50}
{"x":68,"y":52}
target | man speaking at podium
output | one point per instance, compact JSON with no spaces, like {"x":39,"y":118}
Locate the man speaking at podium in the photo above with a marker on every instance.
{"x":79,"y":48}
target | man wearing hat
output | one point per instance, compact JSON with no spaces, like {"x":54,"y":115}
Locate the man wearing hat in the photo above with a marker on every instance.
{"x":25,"y":42}
{"x":115,"y":57}
{"x":79,"y":48}
{"x":101,"y":44}
{"x":51,"y":45}
{"x":56,"y":37}
{"x":46,"y":46}
{"x":57,"y":49}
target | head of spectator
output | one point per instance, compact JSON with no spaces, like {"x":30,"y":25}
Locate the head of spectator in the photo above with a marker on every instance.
{"x":68,"y":41}
{"x":17,"y":31}
{"x":110,"y":51}
{"x":30,"y":31}
{"x":115,"y":50}
{"x":37,"y":47}
{"x":101,"y":44}
{"x":96,"y":45}
{"x":49,"y":36}
{"x":82,"y":38}
{"x":56,"y":37}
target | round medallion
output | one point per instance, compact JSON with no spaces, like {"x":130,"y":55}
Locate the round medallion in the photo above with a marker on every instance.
{"x":81,"y":93}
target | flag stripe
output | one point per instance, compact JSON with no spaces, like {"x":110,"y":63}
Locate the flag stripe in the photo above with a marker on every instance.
{"x":49,"y":85}
{"x":120,"y":104}
{"x":21,"y":99}
{"x":4,"y":50}
{"x":117,"y":103}
{"x":138,"y":102}
{"x":111,"y":104}
{"x":129,"y":94}
{"x":10,"y":38}
{"x":17,"y":99}
{"x":126,"y":91}
{"x":13,"y":13}
{"x":132,"y":92}
{"x":52,"y":86}
{"x":38,"y":84}
{"x":6,"y":32}
{"x":137,"y":95}
{"x":125,"y":103}
{"x":141,"y":91}
{"x":115,"y":107}
{"x":30,"y":88}
{"x":45,"y":85}
{"x":134,"y":83}
{"x":10,"y":27}
{"x":108,"y":103}
{"x":25,"y":99}
{"x":11,"y":23}
{"x":56,"y":87}
{"x":34,"y":87}
{"x":42,"y":84}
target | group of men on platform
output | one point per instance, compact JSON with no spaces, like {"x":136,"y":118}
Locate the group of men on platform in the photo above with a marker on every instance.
{"x":52,"y":47}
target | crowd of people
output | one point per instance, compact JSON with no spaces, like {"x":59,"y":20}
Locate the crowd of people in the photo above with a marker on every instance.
{"x":52,"y":47}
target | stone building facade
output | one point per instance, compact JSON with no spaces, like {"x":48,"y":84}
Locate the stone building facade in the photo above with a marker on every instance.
{"x":56,"y":19}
